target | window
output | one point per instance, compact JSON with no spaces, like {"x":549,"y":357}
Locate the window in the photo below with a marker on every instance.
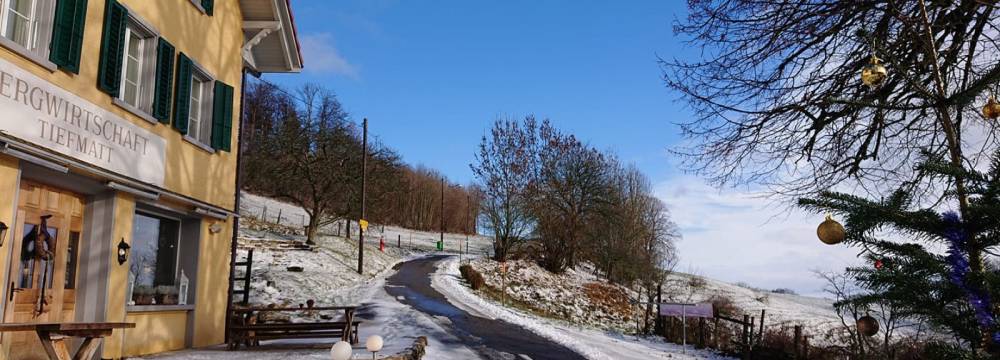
{"x":200,"y":116}
{"x":153,"y":274}
{"x":138,"y":68}
{"x":27,"y":24}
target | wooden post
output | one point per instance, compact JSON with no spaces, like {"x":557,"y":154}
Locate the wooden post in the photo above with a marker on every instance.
{"x":715,"y":335}
{"x":805,"y":347}
{"x":798,"y":341}
{"x":701,"y":333}
{"x":670,"y":330}
{"x":399,"y":240}
{"x":279,"y":216}
{"x":753,"y":329}
{"x":744,"y":337}
{"x":760,"y":334}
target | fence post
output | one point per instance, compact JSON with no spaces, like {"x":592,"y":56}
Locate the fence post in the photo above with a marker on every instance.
{"x":805,"y":347}
{"x":279,"y":216}
{"x":760,"y":334}
{"x":798,"y":341}
{"x":744,"y":339}
{"x":263,"y":213}
{"x":750,"y":341}
{"x":715,"y":336}
{"x":701,"y":333}
{"x":399,"y":241}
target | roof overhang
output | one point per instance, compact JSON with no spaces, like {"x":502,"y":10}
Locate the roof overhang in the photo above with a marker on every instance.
{"x":270,"y":42}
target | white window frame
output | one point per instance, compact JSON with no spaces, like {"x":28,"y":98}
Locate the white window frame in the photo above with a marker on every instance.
{"x":147,"y":73}
{"x":41,"y":22}
{"x":197,"y":134}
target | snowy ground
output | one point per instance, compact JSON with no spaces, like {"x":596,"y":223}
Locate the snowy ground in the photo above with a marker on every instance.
{"x":591,"y":343}
{"x":816,"y":315}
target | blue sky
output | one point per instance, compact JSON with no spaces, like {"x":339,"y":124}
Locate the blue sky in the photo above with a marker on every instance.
{"x":431,"y":76}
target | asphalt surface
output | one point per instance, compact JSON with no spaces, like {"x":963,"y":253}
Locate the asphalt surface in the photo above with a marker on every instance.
{"x":491,"y":339}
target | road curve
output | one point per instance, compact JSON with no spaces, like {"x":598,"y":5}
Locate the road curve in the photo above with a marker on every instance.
{"x":492,"y":339}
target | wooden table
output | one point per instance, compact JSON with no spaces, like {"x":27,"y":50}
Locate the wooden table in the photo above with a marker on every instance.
{"x":54,"y":335}
{"x":348,"y":314}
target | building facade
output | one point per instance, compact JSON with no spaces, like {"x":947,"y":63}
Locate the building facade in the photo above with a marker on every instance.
{"x":118,"y":162}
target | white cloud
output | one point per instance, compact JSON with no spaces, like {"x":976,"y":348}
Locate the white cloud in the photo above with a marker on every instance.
{"x":736,"y":236}
{"x":321,"y":56}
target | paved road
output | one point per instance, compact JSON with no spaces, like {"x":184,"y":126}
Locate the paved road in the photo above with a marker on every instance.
{"x":492,"y":339}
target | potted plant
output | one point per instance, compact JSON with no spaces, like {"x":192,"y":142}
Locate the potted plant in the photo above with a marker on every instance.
{"x":144,"y":295}
{"x":166,"y":295}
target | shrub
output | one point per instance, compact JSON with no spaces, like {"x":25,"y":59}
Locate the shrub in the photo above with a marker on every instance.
{"x":464,"y":269}
{"x":474,"y":278}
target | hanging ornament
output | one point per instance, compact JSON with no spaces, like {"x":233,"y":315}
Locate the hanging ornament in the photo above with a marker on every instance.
{"x":879,"y":264}
{"x":992,"y":108}
{"x":867,"y":326}
{"x":830,"y":232}
{"x":874,"y":73}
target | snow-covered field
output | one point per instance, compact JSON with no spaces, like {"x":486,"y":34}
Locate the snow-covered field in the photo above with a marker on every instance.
{"x":816,"y":315}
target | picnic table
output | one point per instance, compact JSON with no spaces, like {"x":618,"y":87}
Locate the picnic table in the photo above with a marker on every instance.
{"x":243,"y":330}
{"x":53,"y":336}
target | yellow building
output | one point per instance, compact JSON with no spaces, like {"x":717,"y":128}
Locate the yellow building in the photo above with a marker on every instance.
{"x":118,"y":144}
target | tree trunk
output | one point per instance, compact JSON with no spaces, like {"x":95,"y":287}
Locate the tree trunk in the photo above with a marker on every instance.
{"x":312,"y":229}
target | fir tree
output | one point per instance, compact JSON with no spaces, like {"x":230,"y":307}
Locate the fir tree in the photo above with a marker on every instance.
{"x":903,"y":243}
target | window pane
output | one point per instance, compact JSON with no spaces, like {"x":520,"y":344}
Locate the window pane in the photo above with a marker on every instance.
{"x":19,"y":22}
{"x":154,"y":254}
{"x":71,"y":259}
{"x":29,"y":245}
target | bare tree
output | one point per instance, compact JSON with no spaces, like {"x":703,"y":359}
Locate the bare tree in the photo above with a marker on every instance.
{"x":778,"y":98}
{"x":505,"y":168}
{"x":566,"y":196}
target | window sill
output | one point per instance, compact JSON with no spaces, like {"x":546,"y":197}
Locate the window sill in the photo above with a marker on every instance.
{"x":199,"y":144}
{"x":132,"y":109}
{"x":158,"y":308}
{"x":20,"y":50}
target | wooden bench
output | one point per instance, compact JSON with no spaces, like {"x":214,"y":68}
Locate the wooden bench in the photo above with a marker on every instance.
{"x":244,"y":331}
{"x":53,"y":336}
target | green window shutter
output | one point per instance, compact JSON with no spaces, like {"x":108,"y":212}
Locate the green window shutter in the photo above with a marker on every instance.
{"x":222,"y":116}
{"x":109,"y":73}
{"x":164,"y":81}
{"x":67,"y":34}
{"x":209,"y":6}
{"x":182,"y":93}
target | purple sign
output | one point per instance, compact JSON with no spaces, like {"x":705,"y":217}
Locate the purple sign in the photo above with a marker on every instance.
{"x":703,"y":310}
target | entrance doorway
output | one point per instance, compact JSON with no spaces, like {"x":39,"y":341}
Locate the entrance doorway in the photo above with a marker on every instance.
{"x":43,"y":267}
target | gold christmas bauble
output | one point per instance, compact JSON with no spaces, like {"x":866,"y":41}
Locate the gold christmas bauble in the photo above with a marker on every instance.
{"x":992,"y":109}
{"x":867,"y":326}
{"x":874,"y":73}
{"x":830,"y":232}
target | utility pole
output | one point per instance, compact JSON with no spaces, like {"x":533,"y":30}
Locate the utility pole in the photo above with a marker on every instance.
{"x":468,"y":214}
{"x":364,"y":183}
{"x":442,"y":213}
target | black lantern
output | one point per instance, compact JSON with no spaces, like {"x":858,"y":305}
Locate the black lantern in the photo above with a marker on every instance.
{"x":123,"y":249}
{"x":3,"y":232}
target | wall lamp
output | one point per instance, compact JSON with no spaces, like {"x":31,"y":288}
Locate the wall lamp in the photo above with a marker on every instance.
{"x":123,"y":250}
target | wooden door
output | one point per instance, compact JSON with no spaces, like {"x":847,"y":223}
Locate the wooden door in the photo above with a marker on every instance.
{"x":40,"y":289}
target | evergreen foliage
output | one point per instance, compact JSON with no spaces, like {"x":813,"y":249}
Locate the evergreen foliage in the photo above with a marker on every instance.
{"x":924,"y":252}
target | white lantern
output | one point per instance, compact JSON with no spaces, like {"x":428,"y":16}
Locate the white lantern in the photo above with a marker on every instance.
{"x":341,"y":351}
{"x":374,"y":343}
